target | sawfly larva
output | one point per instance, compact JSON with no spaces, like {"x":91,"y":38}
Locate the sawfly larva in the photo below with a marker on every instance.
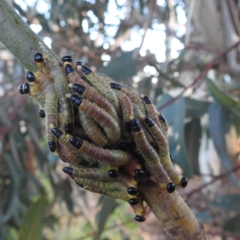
{"x":151,"y":159}
{"x":93,"y":131}
{"x":164,"y":153}
{"x":101,"y":85}
{"x":109,"y":124}
{"x":112,"y":157}
{"x":94,"y":97}
{"x":53,"y":68}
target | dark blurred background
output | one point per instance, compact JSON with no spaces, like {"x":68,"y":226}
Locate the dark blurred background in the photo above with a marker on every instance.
{"x":185,"y":56}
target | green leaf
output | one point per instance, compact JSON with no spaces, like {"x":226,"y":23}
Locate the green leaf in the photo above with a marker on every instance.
{"x":221,"y":97}
{"x":233,"y":225}
{"x":195,"y":108}
{"x":122,"y":67}
{"x":175,"y":115}
{"x":228,"y":202}
{"x":217,"y":126}
{"x":108,"y":205}
{"x":203,"y":217}
{"x":193,"y":134}
{"x":31,"y":226}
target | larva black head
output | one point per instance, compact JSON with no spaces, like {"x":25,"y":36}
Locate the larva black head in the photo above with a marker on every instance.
{"x":52,"y":146}
{"x":68,"y":127}
{"x":147,"y":100}
{"x":123,"y":146}
{"x":76,"y":100}
{"x":86,"y":70}
{"x":127,"y":126}
{"x":79,"y":63}
{"x":76,"y":142}
{"x":184,"y":182}
{"x":42,"y":113}
{"x":24,"y":88}
{"x":113,"y":174}
{"x":30,"y":76}
{"x":162,"y":118}
{"x":38,"y":57}
{"x":78,"y":88}
{"x":170,"y":187}
{"x":140,"y":174}
{"x":139,"y":218}
{"x":132,"y":191}
{"x":115,"y":86}
{"x":133,"y":201}
{"x":68,"y":69}
{"x":67,"y":59}
{"x":135,"y":124}
{"x":68,"y":170}
{"x":149,"y":122}
{"x":108,"y":146}
{"x":57,"y":132}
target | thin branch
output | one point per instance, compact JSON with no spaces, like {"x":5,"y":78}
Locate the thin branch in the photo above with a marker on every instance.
{"x":201,"y":75}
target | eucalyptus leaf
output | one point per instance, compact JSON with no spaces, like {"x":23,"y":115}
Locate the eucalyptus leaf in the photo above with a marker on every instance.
{"x":122,"y":67}
{"x":31,"y":226}
{"x":217,"y":126}
{"x":108,"y":206}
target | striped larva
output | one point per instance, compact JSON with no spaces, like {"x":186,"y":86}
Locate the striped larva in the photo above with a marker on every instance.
{"x":164,"y":153}
{"x":135,"y":98}
{"x":67,"y":152}
{"x":151,"y":159}
{"x":95,"y":97}
{"x":112,"y":189}
{"x":73,"y":76}
{"x":93,"y":131}
{"x":112,"y":157}
{"x":102,"y":174}
{"x":109,"y":124}
{"x":101,"y":85}
{"x":53,"y":68}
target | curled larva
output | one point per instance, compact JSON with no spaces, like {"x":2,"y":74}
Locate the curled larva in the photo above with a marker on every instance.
{"x":151,"y":159}
{"x":98,"y":154}
{"x":135,"y":98}
{"x":56,"y":72}
{"x":93,"y":131}
{"x":67,"y":152}
{"x":163,"y":152}
{"x":109,"y":124}
{"x":95,"y":97}
{"x":101,"y":85}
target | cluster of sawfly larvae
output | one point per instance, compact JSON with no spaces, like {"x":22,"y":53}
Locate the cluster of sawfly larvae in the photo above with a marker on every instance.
{"x":110,"y":137}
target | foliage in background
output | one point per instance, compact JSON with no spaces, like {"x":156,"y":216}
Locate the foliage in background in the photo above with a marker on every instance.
{"x":153,"y":47}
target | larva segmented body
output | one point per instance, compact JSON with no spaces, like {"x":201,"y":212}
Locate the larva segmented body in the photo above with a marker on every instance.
{"x":135,"y":98}
{"x":101,"y":85}
{"x":164,"y":153}
{"x":93,"y":131}
{"x":109,"y":124}
{"x":94,"y":97}
{"x":112,"y":157}
{"x":52,"y":67}
{"x":153,"y":164}
{"x":73,"y":77}
{"x":71,"y":155}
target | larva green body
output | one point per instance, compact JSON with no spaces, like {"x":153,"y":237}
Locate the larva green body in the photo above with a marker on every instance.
{"x":163,"y":152}
{"x":93,"y":131}
{"x":109,"y":124}
{"x":56,"y":72}
{"x":101,"y":85}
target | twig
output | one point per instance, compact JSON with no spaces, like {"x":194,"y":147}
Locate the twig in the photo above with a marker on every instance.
{"x":205,"y":70}
{"x":221,"y":176}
